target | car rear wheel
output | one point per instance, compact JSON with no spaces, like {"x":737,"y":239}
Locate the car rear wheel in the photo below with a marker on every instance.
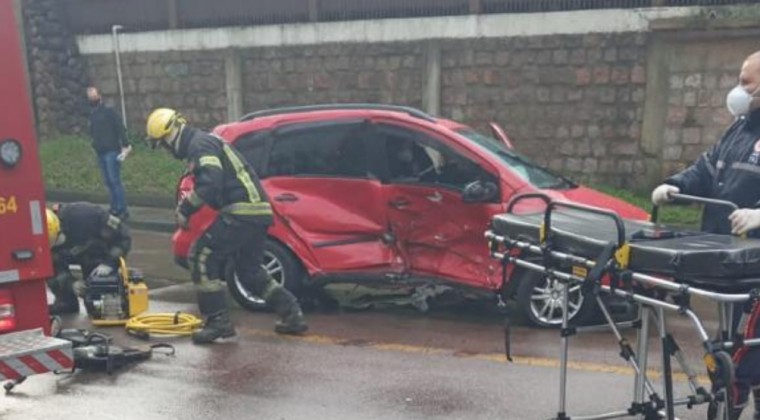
{"x":284,"y":268}
{"x":541,"y":304}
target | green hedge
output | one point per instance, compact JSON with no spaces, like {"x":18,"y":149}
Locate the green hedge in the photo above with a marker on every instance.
{"x":70,"y":163}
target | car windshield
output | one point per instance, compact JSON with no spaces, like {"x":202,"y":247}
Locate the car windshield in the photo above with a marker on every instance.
{"x":526,"y":169}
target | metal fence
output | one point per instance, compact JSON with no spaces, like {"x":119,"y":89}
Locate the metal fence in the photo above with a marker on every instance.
{"x":97,"y":16}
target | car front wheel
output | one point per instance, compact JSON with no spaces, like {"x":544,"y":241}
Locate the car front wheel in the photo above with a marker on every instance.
{"x":281,"y":265}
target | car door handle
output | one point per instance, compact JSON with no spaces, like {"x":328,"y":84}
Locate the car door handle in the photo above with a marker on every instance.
{"x":436,"y":197}
{"x":286,"y":198}
{"x":399,"y":203}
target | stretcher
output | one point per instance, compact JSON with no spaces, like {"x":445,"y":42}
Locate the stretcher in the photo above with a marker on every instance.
{"x":655,"y":266}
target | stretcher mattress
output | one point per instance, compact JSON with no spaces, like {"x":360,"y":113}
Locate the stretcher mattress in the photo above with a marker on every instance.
{"x":719,"y":261}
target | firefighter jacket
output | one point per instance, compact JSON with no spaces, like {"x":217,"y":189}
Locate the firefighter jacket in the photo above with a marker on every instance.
{"x":92,"y":236}
{"x":729,"y":171}
{"x":223,"y":179}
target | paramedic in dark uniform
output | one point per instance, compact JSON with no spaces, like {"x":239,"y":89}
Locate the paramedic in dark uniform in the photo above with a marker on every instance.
{"x":730,"y":171}
{"x":87,"y":235}
{"x":225,"y":182}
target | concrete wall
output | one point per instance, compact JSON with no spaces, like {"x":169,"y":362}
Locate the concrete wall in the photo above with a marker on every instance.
{"x":603,"y":96}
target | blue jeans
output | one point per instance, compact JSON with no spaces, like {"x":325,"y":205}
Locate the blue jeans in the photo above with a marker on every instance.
{"x":110,"y":168}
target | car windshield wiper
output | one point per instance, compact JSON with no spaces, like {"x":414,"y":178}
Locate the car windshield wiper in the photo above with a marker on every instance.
{"x":562,"y":182}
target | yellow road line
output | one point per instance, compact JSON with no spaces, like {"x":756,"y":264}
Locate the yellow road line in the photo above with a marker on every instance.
{"x":491,"y":357}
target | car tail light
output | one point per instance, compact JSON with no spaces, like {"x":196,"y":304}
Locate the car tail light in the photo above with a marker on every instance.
{"x":7,"y":311}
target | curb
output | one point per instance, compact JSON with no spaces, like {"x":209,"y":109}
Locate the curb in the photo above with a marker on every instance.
{"x":150,"y":224}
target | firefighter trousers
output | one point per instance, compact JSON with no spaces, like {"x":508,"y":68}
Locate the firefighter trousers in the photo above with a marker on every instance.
{"x":231,"y":239}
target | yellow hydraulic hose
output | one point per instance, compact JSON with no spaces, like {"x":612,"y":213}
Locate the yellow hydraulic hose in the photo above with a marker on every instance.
{"x":164,"y":324}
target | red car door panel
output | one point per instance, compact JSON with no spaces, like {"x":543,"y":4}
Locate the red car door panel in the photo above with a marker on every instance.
{"x":441,"y":236}
{"x":342,"y":221}
{"x":321,"y":187}
{"x":436,"y":232}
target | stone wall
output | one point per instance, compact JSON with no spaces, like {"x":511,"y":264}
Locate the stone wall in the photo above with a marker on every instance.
{"x":379,"y":73}
{"x":571,"y":102}
{"x":192,"y":82}
{"x":57,"y":75}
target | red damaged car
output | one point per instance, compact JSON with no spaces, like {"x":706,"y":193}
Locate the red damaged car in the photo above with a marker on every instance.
{"x":390,"y":204}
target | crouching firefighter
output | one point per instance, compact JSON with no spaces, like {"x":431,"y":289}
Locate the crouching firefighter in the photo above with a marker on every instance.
{"x":87,"y":235}
{"x":225,"y":182}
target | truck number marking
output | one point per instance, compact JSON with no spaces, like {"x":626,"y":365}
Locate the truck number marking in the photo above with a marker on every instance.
{"x":8,"y":205}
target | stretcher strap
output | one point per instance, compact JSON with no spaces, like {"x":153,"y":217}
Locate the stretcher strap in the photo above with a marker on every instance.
{"x":506,"y":310}
{"x":594,"y":276}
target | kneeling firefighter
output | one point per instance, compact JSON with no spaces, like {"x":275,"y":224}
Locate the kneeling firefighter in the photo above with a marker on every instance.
{"x":225,"y":182}
{"x":87,"y":235}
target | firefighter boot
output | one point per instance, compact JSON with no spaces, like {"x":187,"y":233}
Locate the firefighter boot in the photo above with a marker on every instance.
{"x":66,"y":301}
{"x":218,"y":323}
{"x":287,"y":308}
{"x":64,"y":306}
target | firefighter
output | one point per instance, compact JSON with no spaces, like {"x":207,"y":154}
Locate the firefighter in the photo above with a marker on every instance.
{"x":225,"y":182}
{"x":730,"y":171}
{"x":87,"y":235}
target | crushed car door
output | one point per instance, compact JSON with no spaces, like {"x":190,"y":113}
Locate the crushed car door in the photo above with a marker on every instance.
{"x":319,"y":183}
{"x":437,"y":233}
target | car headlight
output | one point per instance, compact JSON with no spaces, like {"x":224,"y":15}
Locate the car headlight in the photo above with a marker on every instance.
{"x":10,"y":152}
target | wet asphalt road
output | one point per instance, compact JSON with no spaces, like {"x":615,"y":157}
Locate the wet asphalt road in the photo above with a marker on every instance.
{"x":390,"y":364}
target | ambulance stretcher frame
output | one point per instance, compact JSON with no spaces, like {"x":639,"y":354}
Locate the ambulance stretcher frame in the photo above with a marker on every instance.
{"x":615,"y":263}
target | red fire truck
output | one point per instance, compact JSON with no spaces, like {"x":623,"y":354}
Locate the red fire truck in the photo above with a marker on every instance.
{"x":25,"y":263}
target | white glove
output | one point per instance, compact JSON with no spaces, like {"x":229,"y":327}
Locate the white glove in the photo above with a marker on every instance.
{"x":661,"y":194}
{"x":124,"y":153}
{"x":102,"y":270}
{"x":744,"y":220}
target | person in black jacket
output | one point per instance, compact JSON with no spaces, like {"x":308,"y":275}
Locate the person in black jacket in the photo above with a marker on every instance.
{"x":86,"y":235}
{"x":730,"y":171}
{"x":225,"y":182}
{"x":111,"y":144}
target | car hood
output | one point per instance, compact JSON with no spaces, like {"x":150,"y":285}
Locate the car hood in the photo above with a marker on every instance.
{"x":590,"y":197}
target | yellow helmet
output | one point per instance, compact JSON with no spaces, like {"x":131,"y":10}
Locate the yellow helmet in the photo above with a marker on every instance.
{"x":162,"y":123}
{"x":53,"y":227}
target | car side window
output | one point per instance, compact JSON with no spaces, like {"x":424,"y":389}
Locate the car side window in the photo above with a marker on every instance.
{"x":253,"y":148}
{"x":414,"y":157}
{"x":321,"y":151}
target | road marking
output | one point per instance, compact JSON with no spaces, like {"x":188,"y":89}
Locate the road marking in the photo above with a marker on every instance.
{"x":491,"y":357}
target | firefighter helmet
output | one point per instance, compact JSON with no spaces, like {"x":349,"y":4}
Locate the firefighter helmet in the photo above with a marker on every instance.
{"x":163,"y":125}
{"x":53,"y":227}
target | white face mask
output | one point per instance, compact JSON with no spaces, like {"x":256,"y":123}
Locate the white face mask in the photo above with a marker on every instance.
{"x":739,"y":101}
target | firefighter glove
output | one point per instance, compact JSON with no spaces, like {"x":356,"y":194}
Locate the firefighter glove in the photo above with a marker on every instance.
{"x":102,"y":270}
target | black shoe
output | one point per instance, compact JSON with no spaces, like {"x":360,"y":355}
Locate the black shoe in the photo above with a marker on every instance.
{"x":64,"y":307}
{"x":218,"y":326}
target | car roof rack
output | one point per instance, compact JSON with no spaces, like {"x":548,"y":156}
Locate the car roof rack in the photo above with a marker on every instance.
{"x":337,"y":107}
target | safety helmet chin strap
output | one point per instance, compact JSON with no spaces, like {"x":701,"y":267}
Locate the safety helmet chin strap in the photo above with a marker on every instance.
{"x":172,"y":140}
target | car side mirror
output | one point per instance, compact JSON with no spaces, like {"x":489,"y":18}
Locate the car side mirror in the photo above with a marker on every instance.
{"x":480,"y":192}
